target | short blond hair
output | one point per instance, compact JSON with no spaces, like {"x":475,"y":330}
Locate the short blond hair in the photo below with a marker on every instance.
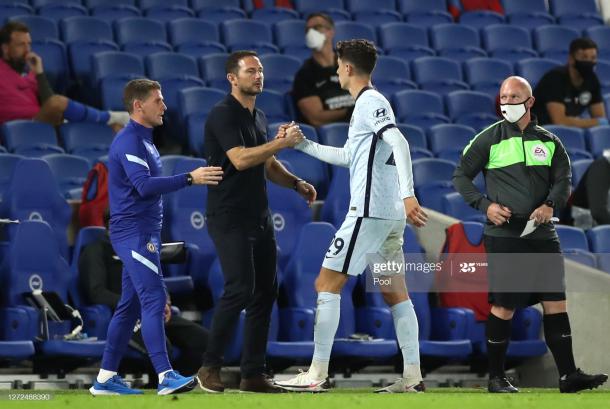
{"x":138,"y":89}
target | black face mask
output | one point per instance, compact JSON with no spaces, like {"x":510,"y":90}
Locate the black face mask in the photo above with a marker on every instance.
{"x":585,"y":68}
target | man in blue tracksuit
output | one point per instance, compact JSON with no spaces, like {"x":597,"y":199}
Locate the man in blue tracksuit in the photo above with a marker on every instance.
{"x":135,"y":186}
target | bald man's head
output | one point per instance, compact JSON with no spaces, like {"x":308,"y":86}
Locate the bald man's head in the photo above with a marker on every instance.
{"x":516,"y":82}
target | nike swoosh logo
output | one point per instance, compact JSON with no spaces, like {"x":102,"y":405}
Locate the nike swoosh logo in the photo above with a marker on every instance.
{"x":566,"y":336}
{"x":319,"y":84}
{"x":329,"y":257}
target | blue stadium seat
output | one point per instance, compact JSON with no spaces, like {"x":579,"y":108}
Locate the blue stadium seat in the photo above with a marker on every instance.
{"x":520,"y":47}
{"x":191,"y":31}
{"x":532,"y":69}
{"x":486,"y":74}
{"x":10,"y":10}
{"x":212,"y":68}
{"x":85,"y":29}
{"x":579,"y":168}
{"x":30,"y":138}
{"x":601,"y":36}
{"x":16,"y":350}
{"x":334,"y":134}
{"x":53,"y":54}
{"x":111,"y":91}
{"x":274,"y":105}
{"x":39,"y":267}
{"x":406,"y":41}
{"x":307,"y":167}
{"x":166,"y":14}
{"x":456,"y":41}
{"x":376,"y":18}
{"x":598,"y":139}
{"x":168,"y":163}
{"x":201,"y":4}
{"x":146,"y":48}
{"x":599,"y":243}
{"x":8,"y":161}
{"x":449,"y":137}
{"x":573,"y":138}
{"x":44,"y":203}
{"x":574,"y":245}
{"x":279,"y":71}
{"x":112,"y":13}
{"x":194,"y":105}
{"x":290,"y":37}
{"x":479,"y":19}
{"x":116,"y":64}
{"x":355,"y":6}
{"x":60,"y":11}
{"x":147,"y":4}
{"x":196,"y":50}
{"x":347,"y":30}
{"x":42,"y":3}
{"x":438,"y":74}
{"x":455,"y":206}
{"x":291,"y":335}
{"x":432,"y":180}
{"x":602,"y":69}
{"x":425,"y":14}
{"x":290,"y":213}
{"x":579,"y":16}
{"x":419,"y":108}
{"x":471,"y":108}
{"x":306,"y":7}
{"x":81,"y":56}
{"x":86,"y":139}
{"x":70,"y":172}
{"x":553,"y":41}
{"x":415,"y":135}
{"x":139,"y":30}
{"x":171,"y":88}
{"x":274,"y":15}
{"x":338,"y":197}
{"x":94,"y":3}
{"x":41,"y":28}
{"x":527,"y":14}
{"x":243,"y":34}
{"x":392,"y":75}
{"x":218,"y":15}
{"x":160,"y":66}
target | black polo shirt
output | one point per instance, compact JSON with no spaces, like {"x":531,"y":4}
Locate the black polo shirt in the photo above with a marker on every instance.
{"x":229,"y":125}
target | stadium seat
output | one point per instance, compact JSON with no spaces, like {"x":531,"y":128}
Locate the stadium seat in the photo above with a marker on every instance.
{"x":274,"y":105}
{"x":494,"y":40}
{"x":116,"y":64}
{"x":218,"y":15}
{"x":573,"y":138}
{"x":432,"y":180}
{"x":599,"y":243}
{"x":139,"y":30}
{"x":456,"y":41}
{"x":553,"y":41}
{"x":94,"y":3}
{"x":601,"y":36}
{"x":415,"y":135}
{"x":337,"y":200}
{"x":44,"y":203}
{"x":10,"y":10}
{"x":194,"y":105}
{"x":479,"y":19}
{"x":532,"y":69}
{"x":85,"y":29}
{"x":201,"y":4}
{"x":527,"y":14}
{"x":290,"y":335}
{"x":449,"y":137}
{"x":471,"y":108}
{"x":191,"y":31}
{"x":486,"y":74}
{"x":171,"y":88}
{"x":212,"y":68}
{"x":30,"y":138}
{"x":70,"y":172}
{"x":86,"y":139}
{"x":32,"y":268}
{"x":59,"y":11}
{"x":114,"y":13}
{"x":111,"y":91}
{"x":307,"y":167}
{"x":346,"y":30}
{"x":306,"y":7}
{"x":162,"y":66}
{"x":598,"y":139}
{"x":578,"y":16}
{"x":455,"y":206}
{"x":168,"y":163}
{"x":290,"y":213}
{"x":377,"y":18}
{"x":42,"y":3}
{"x":147,"y":4}
{"x":425,"y":14}
{"x":166,"y":14}
{"x":274,"y":15}
{"x":243,"y":34}
{"x":574,"y":245}
{"x":405,"y":41}
{"x":8,"y":161}
{"x":41,"y":28}
{"x":579,"y":168}
{"x":334,"y":134}
{"x":602,"y":69}
{"x":279,"y":71}
{"x":392,"y":75}
{"x":419,"y":108}
{"x":438,"y":74}
{"x":53,"y":53}
{"x":290,"y":38}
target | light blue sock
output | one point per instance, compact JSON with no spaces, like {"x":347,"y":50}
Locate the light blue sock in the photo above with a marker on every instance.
{"x":327,"y":321}
{"x":407,"y":332}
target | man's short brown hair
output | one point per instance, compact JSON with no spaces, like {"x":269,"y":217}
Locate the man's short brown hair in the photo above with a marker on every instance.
{"x":361,"y":53}
{"x":138,"y":89}
{"x":232,"y":64}
{"x":9,"y":28}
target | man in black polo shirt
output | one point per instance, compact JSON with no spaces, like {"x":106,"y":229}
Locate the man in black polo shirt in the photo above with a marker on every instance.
{"x":316,"y":90}
{"x":239,"y":222}
{"x":565,"y":92}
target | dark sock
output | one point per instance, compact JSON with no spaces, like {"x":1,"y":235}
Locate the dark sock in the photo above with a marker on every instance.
{"x":498,"y":336}
{"x":559,"y":339}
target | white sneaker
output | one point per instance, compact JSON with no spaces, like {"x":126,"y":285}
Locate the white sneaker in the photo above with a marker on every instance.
{"x":304,"y":382}
{"x":403,"y":385}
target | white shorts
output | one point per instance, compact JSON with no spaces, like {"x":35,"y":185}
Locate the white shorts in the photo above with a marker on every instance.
{"x":361,"y":236}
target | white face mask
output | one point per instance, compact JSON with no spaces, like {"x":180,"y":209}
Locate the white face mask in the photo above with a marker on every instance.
{"x":314,"y":39}
{"x":513,"y":112}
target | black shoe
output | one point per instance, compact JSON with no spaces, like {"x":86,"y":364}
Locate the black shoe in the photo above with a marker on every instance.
{"x":579,"y":381}
{"x":501,"y":385}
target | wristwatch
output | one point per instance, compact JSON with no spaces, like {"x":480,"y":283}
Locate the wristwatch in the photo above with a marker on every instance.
{"x":550,"y":203}
{"x":189,"y":179}
{"x":296,"y":182}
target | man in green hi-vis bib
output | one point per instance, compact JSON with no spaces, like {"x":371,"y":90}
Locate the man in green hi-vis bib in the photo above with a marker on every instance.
{"x":527,"y":175}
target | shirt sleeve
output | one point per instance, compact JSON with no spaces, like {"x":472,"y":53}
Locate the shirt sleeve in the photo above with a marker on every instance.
{"x":561,"y":176}
{"x":303,"y":86}
{"x":552,"y":86}
{"x":596,"y":91}
{"x":474,"y":159}
{"x":133,"y":160}
{"x":225,"y":128}
{"x":377,"y":114}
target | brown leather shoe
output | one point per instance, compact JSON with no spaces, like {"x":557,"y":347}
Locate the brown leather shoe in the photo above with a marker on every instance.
{"x":209,"y":380}
{"x":259,"y":384}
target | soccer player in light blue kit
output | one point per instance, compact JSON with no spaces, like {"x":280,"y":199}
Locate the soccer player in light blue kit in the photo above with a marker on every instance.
{"x":135,"y":186}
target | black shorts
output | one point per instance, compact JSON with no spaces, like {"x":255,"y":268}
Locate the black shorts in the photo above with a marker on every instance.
{"x":524,"y":272}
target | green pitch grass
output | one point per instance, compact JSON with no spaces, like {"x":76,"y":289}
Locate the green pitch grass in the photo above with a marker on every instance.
{"x":336,"y":399}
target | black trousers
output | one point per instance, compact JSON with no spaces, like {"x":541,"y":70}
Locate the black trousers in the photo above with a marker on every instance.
{"x":247,"y":251}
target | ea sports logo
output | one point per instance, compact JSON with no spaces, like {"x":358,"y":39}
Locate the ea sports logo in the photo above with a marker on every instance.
{"x":278,"y":222}
{"x":540,"y":152}
{"x":197,"y":220}
{"x":35,"y":282}
{"x":35,"y":216}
